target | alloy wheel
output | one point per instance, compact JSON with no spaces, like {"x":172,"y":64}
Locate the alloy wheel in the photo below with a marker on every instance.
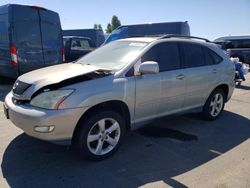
{"x":103,"y":136}
{"x":216,"y":104}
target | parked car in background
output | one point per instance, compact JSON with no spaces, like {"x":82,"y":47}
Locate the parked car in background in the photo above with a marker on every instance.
{"x":236,"y":46}
{"x":30,"y":38}
{"x":76,"y":47}
{"x":96,"y":35}
{"x":120,"y":86}
{"x":139,"y":30}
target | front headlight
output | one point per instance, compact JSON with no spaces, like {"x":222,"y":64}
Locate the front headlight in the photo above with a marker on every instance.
{"x":51,"y":99}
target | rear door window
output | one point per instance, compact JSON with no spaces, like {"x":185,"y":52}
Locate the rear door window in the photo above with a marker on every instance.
{"x":193,"y":55}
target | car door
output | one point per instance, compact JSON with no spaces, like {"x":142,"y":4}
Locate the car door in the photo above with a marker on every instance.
{"x":173,"y":78}
{"x":148,"y":90}
{"x":51,"y":37}
{"x":213,"y":66}
{"x":163,"y":93}
{"x":5,"y":57}
{"x":198,"y":75}
{"x":27,"y":39}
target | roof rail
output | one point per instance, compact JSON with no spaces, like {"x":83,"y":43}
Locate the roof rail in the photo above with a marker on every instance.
{"x":183,"y":36}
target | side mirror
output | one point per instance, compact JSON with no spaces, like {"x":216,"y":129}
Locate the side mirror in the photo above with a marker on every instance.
{"x":149,"y":67}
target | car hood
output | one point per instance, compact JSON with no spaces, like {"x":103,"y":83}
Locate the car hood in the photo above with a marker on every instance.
{"x":35,"y":80}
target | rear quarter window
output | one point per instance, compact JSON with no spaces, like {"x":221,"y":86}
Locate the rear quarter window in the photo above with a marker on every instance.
{"x":211,"y":57}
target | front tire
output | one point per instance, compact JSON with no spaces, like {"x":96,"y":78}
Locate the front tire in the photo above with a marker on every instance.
{"x":100,"y":135}
{"x":214,"y":105}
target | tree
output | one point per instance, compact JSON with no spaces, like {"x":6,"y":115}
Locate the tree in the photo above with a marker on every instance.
{"x":115,"y":22}
{"x":109,"y":28}
{"x":98,"y":26}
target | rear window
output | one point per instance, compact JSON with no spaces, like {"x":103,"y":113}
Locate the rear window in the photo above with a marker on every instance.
{"x":80,"y":43}
{"x":51,"y":34}
{"x":27,"y":33}
{"x":4,"y":34}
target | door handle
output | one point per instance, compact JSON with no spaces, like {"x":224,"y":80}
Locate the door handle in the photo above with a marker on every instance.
{"x":180,"y":77}
{"x":214,"y":71}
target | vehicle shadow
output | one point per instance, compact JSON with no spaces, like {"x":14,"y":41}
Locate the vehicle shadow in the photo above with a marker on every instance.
{"x":243,"y":87}
{"x":177,"y":145}
{"x":5,"y":87}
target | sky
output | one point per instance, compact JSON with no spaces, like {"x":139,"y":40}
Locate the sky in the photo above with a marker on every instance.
{"x":207,"y":18}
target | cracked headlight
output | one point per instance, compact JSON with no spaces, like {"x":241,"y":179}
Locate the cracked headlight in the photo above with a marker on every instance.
{"x":51,"y":99}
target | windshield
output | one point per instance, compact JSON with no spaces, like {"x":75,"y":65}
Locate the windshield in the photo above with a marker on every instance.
{"x":114,"y":55}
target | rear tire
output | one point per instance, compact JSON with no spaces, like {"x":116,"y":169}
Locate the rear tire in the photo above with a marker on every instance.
{"x":100,"y":135}
{"x":214,"y":105}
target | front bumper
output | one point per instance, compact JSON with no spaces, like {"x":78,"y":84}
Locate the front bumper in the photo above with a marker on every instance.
{"x":27,"y":117}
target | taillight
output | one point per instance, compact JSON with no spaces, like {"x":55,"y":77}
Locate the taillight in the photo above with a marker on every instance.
{"x":63,"y":55}
{"x":13,"y":53}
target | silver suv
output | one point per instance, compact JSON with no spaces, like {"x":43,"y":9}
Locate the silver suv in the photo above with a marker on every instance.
{"x":122,"y":85}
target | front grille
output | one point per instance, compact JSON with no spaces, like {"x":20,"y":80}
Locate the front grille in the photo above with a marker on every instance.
{"x":20,"y":87}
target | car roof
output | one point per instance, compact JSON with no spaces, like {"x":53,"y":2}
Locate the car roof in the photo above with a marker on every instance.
{"x":168,"y":38}
{"x":140,"y":39}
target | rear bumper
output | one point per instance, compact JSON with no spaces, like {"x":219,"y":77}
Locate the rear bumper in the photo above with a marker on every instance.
{"x":230,"y":90}
{"x":8,"y":71}
{"x":27,"y":117}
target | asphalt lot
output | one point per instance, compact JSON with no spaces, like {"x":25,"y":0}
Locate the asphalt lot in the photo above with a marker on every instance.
{"x":182,"y":151}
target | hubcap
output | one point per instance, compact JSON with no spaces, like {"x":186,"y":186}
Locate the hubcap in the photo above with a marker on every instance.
{"x":103,"y":136}
{"x":216,"y":104}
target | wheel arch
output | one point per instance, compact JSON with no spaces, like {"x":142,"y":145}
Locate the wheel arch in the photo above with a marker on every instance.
{"x":224,"y":88}
{"x":113,"y":105}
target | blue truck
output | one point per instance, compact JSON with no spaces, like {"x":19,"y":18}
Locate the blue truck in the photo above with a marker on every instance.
{"x":30,"y":38}
{"x":151,"y":29}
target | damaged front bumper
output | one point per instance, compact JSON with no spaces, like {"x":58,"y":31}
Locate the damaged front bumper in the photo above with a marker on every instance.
{"x":34,"y":121}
